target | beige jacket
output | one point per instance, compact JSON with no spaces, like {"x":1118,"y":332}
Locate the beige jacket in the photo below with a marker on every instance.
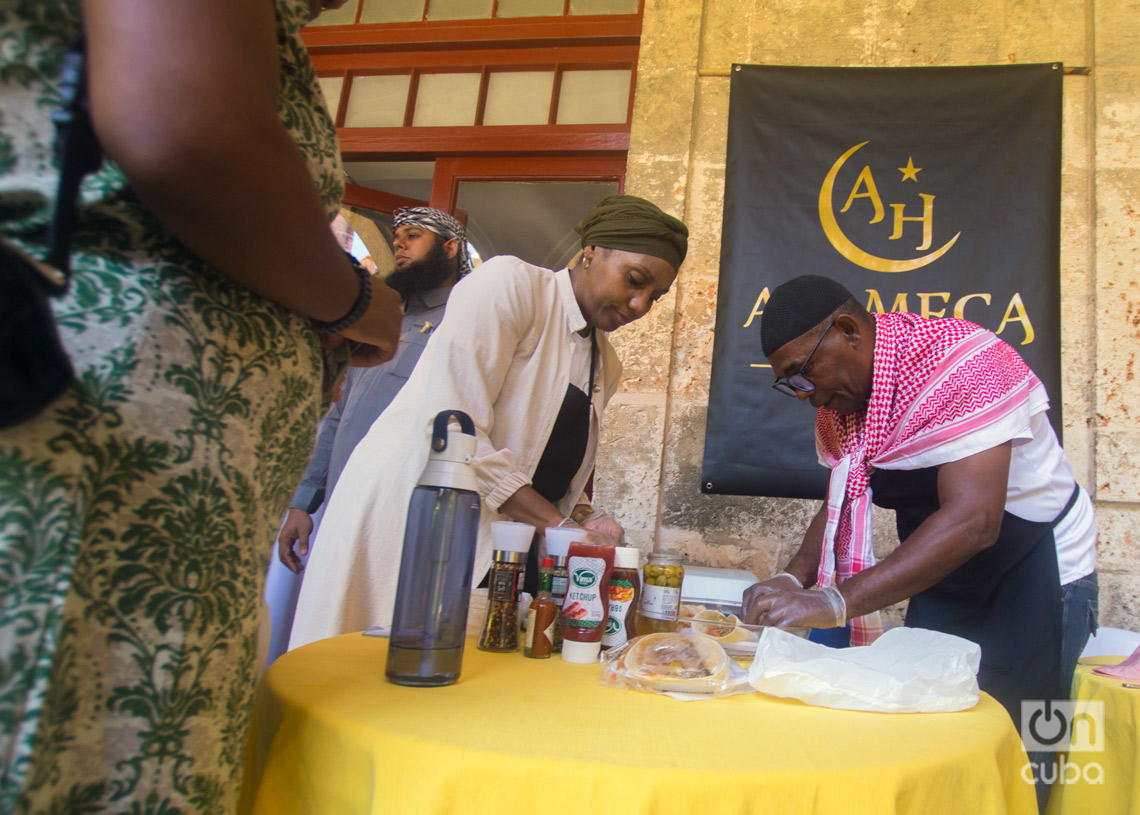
{"x":503,"y":356}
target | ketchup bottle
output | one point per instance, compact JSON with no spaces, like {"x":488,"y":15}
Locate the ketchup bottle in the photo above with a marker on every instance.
{"x":586,"y":606}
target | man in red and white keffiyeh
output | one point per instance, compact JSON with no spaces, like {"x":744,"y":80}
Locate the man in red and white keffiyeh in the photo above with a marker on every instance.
{"x":942,"y":391}
{"x":943,"y":422}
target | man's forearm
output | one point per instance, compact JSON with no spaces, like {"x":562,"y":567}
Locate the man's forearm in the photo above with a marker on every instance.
{"x":971,"y":497}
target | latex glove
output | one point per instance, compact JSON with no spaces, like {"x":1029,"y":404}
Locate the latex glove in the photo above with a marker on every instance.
{"x":601,"y":522}
{"x":594,"y":536}
{"x":805,"y":608}
{"x":297,"y":528}
{"x":591,"y":535}
{"x":778,"y":583}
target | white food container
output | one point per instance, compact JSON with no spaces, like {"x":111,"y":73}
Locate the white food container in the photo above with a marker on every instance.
{"x":714,"y":588}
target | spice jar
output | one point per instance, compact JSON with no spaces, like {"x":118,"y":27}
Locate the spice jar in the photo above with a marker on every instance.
{"x":501,"y":628}
{"x":660,"y":594}
{"x":561,"y":580}
{"x":558,"y":540}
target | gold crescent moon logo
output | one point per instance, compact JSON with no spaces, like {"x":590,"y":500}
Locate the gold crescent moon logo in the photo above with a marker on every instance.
{"x":844,"y":246}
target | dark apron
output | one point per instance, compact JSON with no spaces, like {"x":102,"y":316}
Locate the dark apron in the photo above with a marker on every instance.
{"x":1006,"y":598}
{"x":561,"y":458}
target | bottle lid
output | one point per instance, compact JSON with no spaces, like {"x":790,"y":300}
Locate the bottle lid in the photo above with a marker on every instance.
{"x":626,"y":557}
{"x":511,"y":536}
{"x":547,"y":563}
{"x":559,"y":538}
{"x":664,"y":558}
{"x":580,"y":653}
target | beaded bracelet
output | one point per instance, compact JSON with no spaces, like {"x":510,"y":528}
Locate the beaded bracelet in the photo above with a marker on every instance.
{"x":363,"y":298}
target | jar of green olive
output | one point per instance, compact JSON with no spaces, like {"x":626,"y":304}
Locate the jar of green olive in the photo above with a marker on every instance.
{"x":660,"y":594}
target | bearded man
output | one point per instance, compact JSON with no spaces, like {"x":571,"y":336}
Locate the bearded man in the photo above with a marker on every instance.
{"x":430,"y":251}
{"x":944,"y":423}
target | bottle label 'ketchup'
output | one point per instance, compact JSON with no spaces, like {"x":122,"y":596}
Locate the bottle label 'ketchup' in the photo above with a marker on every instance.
{"x":587,"y":598}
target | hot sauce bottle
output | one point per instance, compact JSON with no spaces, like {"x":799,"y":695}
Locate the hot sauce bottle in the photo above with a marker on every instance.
{"x":542,"y":616}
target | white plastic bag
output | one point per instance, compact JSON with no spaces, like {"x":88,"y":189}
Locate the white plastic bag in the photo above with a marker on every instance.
{"x":907,"y":670}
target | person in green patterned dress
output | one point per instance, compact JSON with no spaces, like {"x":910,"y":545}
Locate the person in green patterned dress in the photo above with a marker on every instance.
{"x":134,"y":510}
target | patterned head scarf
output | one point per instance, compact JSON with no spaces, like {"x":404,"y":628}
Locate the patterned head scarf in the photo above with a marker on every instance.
{"x":441,"y":224}
{"x":941,"y":390}
{"x":635,"y":225}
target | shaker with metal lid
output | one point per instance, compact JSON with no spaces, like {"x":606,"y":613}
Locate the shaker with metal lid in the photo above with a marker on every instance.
{"x":512,"y":543}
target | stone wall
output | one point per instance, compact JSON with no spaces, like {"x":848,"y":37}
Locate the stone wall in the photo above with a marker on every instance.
{"x":650,"y":464}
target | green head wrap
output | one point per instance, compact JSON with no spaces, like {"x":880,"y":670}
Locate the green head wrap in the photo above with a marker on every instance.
{"x":635,"y":225}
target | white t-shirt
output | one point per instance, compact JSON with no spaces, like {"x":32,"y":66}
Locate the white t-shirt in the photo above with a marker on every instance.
{"x":1040,"y":483}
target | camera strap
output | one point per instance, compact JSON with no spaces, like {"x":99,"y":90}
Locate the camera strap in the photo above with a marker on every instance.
{"x":77,"y":153}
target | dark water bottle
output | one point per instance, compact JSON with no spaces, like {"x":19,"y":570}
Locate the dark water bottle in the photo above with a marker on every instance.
{"x":429,"y":622}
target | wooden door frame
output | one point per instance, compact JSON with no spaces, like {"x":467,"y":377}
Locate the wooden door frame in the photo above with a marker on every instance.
{"x":453,"y":170}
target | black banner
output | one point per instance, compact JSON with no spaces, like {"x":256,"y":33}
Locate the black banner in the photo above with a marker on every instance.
{"x":930,"y":190}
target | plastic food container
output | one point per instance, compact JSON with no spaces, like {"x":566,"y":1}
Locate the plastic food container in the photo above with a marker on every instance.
{"x":708,"y":586}
{"x":708,"y":589}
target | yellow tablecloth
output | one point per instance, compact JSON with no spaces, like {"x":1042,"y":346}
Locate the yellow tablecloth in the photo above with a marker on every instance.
{"x":516,"y":735}
{"x":1105,"y":782}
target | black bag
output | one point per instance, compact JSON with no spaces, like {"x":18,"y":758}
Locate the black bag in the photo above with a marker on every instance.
{"x":34,"y":368}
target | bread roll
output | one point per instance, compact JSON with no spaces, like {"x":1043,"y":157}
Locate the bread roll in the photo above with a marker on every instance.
{"x":713,"y":624}
{"x":688,"y":663}
{"x":721,"y":628}
{"x":740,"y":633}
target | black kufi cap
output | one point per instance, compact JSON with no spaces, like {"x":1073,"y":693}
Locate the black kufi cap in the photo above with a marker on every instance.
{"x":796,"y":307}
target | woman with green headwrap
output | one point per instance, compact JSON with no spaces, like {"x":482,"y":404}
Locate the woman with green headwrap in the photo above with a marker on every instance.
{"x":524,"y":353}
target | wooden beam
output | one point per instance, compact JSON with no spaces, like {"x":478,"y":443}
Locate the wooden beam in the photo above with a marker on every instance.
{"x":610,"y":29}
{"x":376,"y":200}
{"x":381,"y":60}
{"x":423,"y":143}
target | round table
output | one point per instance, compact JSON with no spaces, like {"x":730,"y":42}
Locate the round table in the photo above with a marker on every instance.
{"x":1103,"y":779}
{"x":517,"y":735}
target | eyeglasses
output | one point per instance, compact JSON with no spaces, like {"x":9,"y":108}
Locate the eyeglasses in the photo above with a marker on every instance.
{"x":797,"y":382}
